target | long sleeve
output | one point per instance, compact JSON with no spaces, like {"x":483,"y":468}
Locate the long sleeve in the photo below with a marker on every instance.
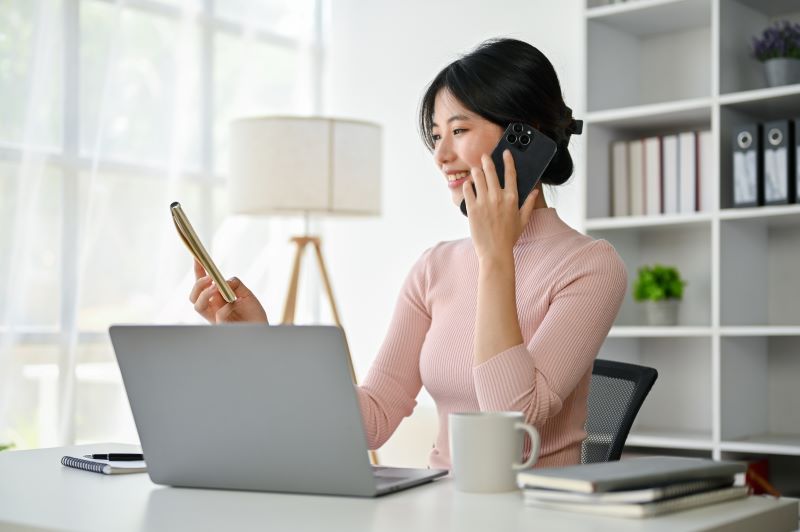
{"x":388,"y":394}
{"x":568,"y":290}
{"x":537,"y":378}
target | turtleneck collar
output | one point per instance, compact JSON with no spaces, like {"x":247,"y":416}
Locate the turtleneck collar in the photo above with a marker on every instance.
{"x":544,"y":222}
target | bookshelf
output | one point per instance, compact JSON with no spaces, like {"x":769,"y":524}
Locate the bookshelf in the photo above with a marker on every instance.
{"x":728,"y":372}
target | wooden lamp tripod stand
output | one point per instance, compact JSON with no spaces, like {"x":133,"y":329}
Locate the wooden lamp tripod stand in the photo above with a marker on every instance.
{"x":291,"y":298}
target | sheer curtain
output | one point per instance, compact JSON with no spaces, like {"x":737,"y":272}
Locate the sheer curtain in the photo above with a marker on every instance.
{"x":109,"y":111}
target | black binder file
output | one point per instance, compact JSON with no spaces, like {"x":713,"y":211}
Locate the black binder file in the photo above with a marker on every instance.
{"x":796,"y":130}
{"x":747,"y":166}
{"x":778,"y":152}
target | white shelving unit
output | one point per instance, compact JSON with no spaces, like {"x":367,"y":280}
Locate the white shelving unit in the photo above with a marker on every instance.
{"x":729,"y":372}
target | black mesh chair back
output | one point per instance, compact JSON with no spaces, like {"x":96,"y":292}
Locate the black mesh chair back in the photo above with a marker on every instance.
{"x":616,"y":393}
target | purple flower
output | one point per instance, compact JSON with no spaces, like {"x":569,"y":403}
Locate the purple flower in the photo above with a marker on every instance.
{"x":782,"y":39}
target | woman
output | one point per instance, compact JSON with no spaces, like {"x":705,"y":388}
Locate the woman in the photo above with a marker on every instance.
{"x":511,"y":318}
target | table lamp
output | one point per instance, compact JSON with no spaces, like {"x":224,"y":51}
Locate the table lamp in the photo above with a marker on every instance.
{"x":305,"y":165}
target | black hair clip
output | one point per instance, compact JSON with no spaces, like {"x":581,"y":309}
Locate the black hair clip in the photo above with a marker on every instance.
{"x":575,"y":127}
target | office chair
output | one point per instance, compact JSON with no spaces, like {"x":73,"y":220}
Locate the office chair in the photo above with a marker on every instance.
{"x":616,"y":393}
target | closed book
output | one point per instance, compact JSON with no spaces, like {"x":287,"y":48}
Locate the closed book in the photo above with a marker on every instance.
{"x":652,"y":175}
{"x":686,"y":171}
{"x":636,"y":177}
{"x":649,"y":509}
{"x":707,"y":176}
{"x":104,"y":467}
{"x":620,"y":203}
{"x":635,"y":473}
{"x":642,"y":495}
{"x":670,"y":171}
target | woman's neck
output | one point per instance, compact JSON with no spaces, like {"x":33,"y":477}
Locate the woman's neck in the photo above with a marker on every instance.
{"x":540,"y":203}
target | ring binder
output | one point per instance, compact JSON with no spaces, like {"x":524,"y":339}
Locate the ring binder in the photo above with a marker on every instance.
{"x":778,"y":163}
{"x":747,"y":166}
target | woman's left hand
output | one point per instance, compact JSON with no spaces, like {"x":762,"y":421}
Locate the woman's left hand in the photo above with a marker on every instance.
{"x":495,"y":221}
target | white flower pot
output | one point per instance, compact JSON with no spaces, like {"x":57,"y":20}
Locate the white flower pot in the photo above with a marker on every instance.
{"x":782,"y":71}
{"x":662,"y":313}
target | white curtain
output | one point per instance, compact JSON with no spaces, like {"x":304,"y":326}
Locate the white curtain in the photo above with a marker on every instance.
{"x":109,"y":111}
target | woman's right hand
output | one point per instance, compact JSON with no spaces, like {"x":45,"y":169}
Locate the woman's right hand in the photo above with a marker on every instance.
{"x":209,"y":303}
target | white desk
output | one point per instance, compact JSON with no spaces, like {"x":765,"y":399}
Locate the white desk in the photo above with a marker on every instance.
{"x":37,"y":493}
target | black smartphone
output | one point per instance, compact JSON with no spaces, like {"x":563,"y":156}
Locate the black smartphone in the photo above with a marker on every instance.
{"x":532,"y":151}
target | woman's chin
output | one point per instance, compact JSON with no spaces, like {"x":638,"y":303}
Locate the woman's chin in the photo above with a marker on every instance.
{"x":457,"y":197}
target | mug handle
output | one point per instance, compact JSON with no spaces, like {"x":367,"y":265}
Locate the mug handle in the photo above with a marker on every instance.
{"x":535,"y":444}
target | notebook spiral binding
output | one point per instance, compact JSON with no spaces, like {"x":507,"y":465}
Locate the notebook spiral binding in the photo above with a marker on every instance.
{"x":86,"y":465}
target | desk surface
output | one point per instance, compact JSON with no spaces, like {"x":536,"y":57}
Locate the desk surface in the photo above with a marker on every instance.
{"x":36,"y":492}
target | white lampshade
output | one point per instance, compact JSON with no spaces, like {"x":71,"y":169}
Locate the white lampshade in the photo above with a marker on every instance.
{"x":282,"y":164}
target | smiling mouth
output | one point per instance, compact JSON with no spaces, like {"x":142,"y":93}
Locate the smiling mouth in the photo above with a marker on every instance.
{"x":454,"y":181}
{"x":457,"y":176}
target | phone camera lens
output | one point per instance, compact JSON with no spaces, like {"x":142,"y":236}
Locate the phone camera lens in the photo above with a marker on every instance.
{"x":517,"y":128}
{"x":511,"y":138}
{"x":524,"y":140}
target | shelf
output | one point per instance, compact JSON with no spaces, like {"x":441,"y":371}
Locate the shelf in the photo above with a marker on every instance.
{"x":760,"y":331}
{"x":760,"y":105}
{"x":670,"y":439}
{"x":639,"y":222}
{"x":765,"y":444}
{"x":658,"y":332}
{"x":772,"y":8}
{"x":728,"y":373}
{"x":653,"y":17}
{"x":772,"y":215}
{"x":680,"y":114}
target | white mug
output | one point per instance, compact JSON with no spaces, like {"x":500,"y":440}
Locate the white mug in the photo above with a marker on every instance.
{"x":485,"y":448}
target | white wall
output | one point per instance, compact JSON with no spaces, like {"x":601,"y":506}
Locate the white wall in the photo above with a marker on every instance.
{"x":381,"y":56}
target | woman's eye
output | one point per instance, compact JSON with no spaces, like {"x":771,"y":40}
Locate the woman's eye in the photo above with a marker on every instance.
{"x":458,"y":130}
{"x":435,"y":137}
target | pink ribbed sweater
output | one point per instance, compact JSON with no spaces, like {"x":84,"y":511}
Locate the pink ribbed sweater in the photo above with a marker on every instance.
{"x":569,"y":288}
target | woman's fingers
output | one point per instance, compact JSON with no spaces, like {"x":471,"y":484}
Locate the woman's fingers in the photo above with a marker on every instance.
{"x":469,"y":195}
{"x":199,"y":271}
{"x":479,"y":180}
{"x":490,"y":176}
{"x":203,"y":304}
{"x":510,"y":174}
{"x":201,"y":284}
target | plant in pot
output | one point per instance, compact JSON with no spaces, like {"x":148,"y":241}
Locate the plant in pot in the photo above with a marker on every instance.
{"x":779,"y":49}
{"x":661,"y":290}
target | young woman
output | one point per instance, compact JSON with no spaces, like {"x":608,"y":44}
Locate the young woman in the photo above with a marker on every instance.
{"x":511,"y":318}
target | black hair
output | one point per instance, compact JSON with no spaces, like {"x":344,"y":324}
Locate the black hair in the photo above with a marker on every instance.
{"x":504,"y":81}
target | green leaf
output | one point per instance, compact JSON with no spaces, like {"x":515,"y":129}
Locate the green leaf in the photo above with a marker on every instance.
{"x":658,"y":282}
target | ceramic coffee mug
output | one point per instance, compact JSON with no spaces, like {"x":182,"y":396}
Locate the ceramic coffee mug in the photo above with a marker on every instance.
{"x":486,"y":448}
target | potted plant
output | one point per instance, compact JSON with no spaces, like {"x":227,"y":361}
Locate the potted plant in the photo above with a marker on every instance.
{"x":661,"y":289}
{"x":779,"y":50}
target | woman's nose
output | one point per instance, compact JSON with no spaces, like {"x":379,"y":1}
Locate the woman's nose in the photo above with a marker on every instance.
{"x":443,"y":152}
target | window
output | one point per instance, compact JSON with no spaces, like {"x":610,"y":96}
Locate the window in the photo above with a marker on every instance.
{"x":109,"y":111}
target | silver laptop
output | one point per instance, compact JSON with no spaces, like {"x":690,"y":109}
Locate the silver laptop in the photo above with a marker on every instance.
{"x":251,"y":407}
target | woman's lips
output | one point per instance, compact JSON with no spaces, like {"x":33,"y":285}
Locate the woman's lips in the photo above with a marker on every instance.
{"x":457,"y":182}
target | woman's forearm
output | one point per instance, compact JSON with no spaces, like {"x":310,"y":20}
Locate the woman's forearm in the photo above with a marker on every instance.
{"x":496,"y":323}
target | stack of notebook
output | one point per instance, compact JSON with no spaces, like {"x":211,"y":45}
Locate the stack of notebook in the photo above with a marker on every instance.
{"x":637,"y":487}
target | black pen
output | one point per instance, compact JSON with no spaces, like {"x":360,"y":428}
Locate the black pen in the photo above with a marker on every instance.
{"x":118,"y":457}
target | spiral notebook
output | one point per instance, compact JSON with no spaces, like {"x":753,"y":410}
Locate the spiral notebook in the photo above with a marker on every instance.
{"x":104,"y":467}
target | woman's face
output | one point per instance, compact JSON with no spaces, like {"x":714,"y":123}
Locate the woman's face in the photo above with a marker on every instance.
{"x":460,"y":138}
